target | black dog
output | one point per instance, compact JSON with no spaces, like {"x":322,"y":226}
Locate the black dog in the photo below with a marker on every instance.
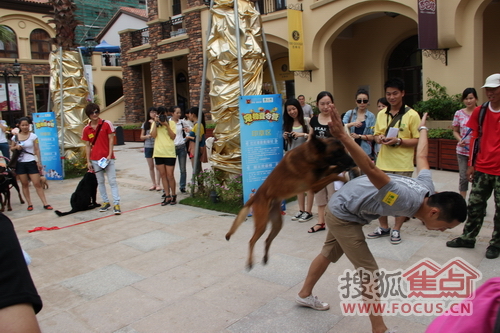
{"x":7,"y":181}
{"x":84,"y":196}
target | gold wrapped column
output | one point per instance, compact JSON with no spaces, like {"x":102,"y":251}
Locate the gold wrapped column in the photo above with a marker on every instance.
{"x":73,"y":99}
{"x":222,"y":56}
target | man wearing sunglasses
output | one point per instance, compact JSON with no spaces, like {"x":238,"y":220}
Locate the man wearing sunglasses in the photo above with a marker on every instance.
{"x":397,"y":131}
{"x":99,"y":138}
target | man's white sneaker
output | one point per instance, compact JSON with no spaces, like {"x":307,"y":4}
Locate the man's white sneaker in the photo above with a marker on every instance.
{"x":312,"y":302}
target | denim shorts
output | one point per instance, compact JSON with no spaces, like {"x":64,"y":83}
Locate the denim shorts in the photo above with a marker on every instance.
{"x":29,"y":168}
{"x":148,"y":152}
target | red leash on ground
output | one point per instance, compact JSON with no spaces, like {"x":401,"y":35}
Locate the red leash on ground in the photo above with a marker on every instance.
{"x":99,"y":218}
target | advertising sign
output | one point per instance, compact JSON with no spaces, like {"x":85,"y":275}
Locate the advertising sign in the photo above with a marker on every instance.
{"x":44,"y":124}
{"x":15,"y":101}
{"x":261,"y":135}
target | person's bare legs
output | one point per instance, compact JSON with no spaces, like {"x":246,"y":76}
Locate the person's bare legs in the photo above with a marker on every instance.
{"x":163,"y":176}
{"x":383,"y":221}
{"x":35,"y":179}
{"x":399,"y":222}
{"x":25,"y":187}
{"x":321,"y":218}
{"x":316,"y":270}
{"x":151,"y":166}
{"x":170,"y":178}
{"x":310,"y":201}
{"x":301,"y":199}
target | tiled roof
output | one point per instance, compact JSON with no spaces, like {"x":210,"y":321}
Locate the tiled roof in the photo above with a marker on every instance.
{"x":136,"y":11}
{"x":37,"y":1}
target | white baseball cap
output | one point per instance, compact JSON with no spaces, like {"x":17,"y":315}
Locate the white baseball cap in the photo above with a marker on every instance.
{"x":492,"y":81}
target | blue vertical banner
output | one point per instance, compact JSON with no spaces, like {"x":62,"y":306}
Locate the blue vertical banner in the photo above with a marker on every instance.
{"x":261,"y":135}
{"x":46,"y":129}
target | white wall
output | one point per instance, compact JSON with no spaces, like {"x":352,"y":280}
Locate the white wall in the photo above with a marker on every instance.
{"x":123,"y":22}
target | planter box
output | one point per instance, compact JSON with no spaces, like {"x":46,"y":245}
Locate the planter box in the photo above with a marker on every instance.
{"x":433,"y":157}
{"x":209,"y":132}
{"x":132,"y":135}
{"x":128,"y":135}
{"x":448,"y":154}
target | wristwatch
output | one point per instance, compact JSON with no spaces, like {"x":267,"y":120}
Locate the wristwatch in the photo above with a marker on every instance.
{"x":397,"y":144}
{"x":422,"y":127}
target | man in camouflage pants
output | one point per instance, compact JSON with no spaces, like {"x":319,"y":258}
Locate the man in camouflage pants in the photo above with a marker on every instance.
{"x":485,"y":173}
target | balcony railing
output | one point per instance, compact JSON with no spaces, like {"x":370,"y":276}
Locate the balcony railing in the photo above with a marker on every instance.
{"x":173,"y":27}
{"x":140,"y":37}
{"x":271,"y":6}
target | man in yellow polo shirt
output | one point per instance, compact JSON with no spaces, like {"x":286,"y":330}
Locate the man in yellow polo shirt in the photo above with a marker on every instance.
{"x":396,"y":130}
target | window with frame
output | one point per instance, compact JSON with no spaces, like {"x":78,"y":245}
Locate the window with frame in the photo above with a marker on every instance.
{"x":40,"y":44}
{"x":42,"y":91}
{"x":9,"y":49}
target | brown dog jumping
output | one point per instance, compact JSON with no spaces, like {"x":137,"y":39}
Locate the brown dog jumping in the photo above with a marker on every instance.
{"x":312,"y":165}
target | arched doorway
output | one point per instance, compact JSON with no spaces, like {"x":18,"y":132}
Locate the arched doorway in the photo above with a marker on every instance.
{"x":405,"y":62}
{"x":113,"y":89}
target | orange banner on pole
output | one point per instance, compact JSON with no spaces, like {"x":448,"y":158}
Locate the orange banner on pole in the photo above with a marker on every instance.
{"x":295,"y":40}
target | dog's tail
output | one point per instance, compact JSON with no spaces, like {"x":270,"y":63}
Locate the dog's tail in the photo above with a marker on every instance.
{"x":64,"y":213}
{"x":242,"y":215}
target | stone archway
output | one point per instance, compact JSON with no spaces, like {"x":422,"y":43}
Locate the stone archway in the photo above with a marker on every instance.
{"x":113,"y":90}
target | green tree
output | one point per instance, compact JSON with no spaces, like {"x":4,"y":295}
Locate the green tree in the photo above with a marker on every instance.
{"x":6,"y":35}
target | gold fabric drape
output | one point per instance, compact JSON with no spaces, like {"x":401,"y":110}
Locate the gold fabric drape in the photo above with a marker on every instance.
{"x":75,"y":92}
{"x":222,"y":58}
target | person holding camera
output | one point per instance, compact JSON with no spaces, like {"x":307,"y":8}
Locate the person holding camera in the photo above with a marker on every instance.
{"x":295,"y":133}
{"x":163,"y":131}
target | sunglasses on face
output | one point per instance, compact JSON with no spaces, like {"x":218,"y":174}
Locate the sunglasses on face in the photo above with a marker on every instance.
{"x":96,"y":112}
{"x":361,"y":101}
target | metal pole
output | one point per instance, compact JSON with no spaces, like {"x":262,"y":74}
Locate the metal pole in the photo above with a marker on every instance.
{"x":61,"y":92}
{"x":268,"y":55}
{"x":238,"y":46}
{"x":202,"y":97}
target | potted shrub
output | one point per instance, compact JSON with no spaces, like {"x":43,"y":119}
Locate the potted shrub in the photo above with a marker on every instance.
{"x":132,"y":132}
{"x":444,"y":148}
{"x":439,"y":105}
{"x":209,"y":130}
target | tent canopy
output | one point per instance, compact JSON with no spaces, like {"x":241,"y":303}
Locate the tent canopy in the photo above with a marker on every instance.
{"x":103,"y":47}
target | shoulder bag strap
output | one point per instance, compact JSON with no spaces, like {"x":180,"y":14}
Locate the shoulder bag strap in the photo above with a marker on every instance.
{"x":477,"y":141}
{"x":96,"y":134}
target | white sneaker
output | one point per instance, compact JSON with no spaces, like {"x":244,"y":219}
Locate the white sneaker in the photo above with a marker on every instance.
{"x":305,"y":217}
{"x":297,"y":216}
{"x":312,"y":302}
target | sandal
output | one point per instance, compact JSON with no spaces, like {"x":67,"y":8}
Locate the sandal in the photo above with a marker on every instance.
{"x":312,"y":230}
{"x":174,"y":199}
{"x":167,"y":200}
{"x":30,"y":207}
{"x":158,"y":188}
{"x":48,"y":207}
{"x":152,"y":188}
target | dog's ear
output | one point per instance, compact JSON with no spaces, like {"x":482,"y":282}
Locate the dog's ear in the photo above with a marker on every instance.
{"x":318,"y":144}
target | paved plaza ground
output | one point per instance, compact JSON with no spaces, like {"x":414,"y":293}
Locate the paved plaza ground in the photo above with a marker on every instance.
{"x":169,"y":269}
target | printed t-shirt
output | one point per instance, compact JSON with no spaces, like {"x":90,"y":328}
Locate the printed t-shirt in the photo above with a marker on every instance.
{"x":360,"y":201}
{"x":101,"y":145}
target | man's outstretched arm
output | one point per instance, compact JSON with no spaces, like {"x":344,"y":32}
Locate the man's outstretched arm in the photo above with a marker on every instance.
{"x":378,"y":178}
{"x":422,"y":147}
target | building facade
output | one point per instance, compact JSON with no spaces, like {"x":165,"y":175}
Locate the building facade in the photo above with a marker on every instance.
{"x":31,"y":47}
{"x":348,"y":44}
